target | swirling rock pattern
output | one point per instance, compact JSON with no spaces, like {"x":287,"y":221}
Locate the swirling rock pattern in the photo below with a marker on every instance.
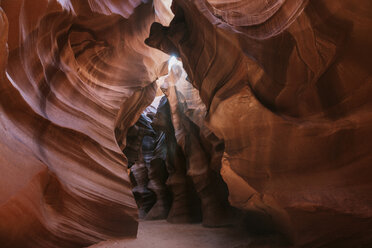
{"x":77,"y":80}
{"x":286,"y":86}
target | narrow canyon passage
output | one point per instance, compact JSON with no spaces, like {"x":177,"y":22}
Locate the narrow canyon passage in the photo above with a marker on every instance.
{"x":174,"y":159}
{"x":180,"y":123}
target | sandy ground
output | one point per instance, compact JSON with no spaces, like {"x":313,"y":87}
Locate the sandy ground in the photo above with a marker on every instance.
{"x":160,"y":234}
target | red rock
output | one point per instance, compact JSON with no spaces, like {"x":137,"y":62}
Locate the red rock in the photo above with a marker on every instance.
{"x":286,"y":85}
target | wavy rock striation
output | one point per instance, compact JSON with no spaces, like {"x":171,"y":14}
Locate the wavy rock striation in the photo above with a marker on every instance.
{"x":286,"y":85}
{"x":79,"y":77}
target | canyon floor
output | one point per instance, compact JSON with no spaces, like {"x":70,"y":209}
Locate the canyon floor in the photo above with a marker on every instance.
{"x":161,"y":234}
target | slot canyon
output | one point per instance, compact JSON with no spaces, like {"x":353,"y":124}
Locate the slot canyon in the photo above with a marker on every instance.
{"x":173,"y":124}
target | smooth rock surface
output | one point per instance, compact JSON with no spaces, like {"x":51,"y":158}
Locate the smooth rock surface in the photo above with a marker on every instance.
{"x":286,"y":88}
{"x":286,"y":85}
{"x":76,"y":78}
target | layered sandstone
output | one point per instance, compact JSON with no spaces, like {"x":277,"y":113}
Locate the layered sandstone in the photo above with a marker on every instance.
{"x":78,"y":78}
{"x":286,"y":85}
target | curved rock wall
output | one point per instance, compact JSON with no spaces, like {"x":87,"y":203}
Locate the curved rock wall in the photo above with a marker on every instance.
{"x":79,"y":76}
{"x":286,"y":85}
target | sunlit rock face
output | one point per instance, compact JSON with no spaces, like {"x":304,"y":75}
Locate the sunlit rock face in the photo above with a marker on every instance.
{"x":287,"y":86}
{"x":76,"y":76}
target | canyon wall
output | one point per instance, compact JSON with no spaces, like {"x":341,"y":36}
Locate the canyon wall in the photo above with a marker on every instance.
{"x":75,"y":75}
{"x":287,"y":86}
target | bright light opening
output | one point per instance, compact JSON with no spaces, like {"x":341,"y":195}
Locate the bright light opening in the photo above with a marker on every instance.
{"x":172,"y":61}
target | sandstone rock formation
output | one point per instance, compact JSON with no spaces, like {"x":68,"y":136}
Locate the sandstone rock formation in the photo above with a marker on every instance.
{"x":286,"y":86}
{"x":186,"y":112}
{"x":146,"y":151}
{"x":185,"y":204}
{"x":74,"y":84}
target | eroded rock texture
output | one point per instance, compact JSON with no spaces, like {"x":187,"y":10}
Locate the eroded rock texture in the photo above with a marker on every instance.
{"x":77,"y":77}
{"x":287,"y":86}
{"x":146,"y":151}
{"x":187,"y":113}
